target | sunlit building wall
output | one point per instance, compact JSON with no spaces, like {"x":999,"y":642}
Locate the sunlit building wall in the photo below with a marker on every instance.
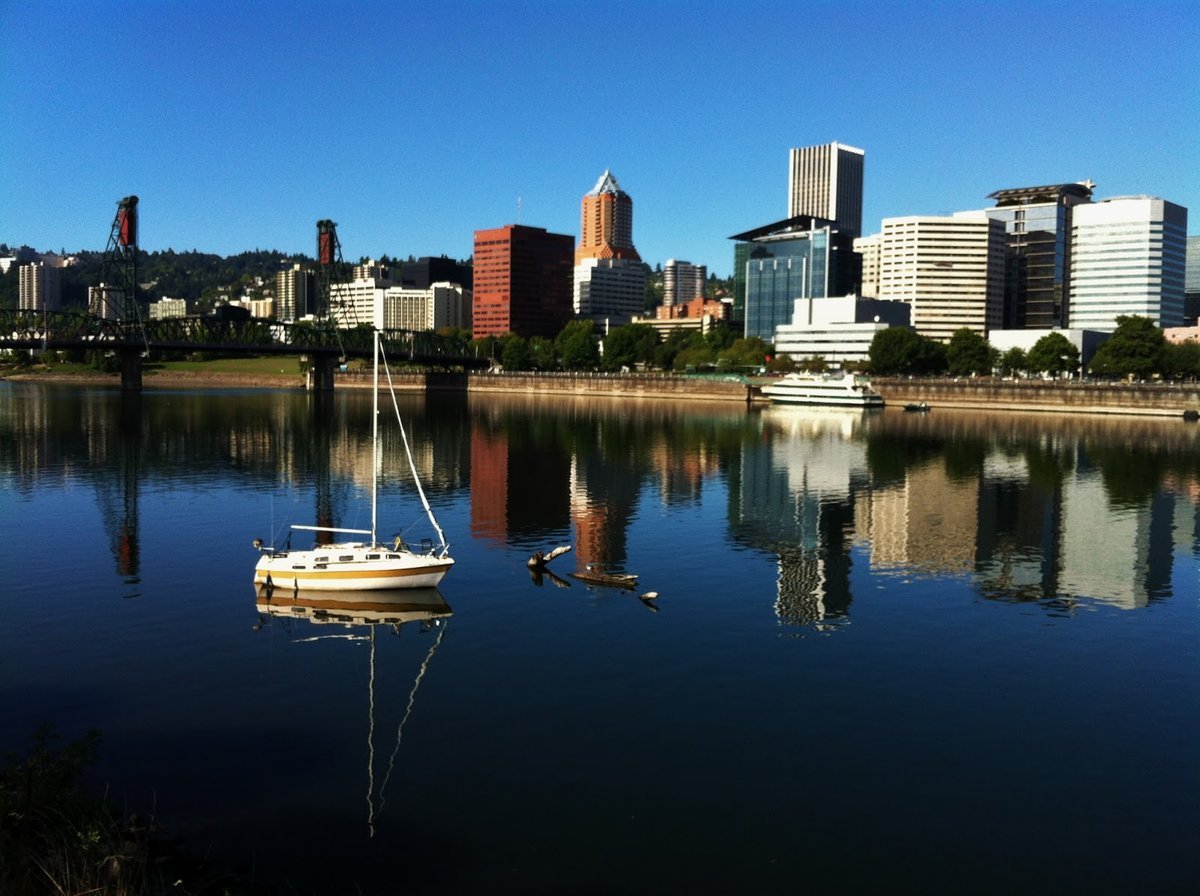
{"x":826,"y":181}
{"x":949,"y":269}
{"x":39,"y":286}
{"x":682,"y":281}
{"x":1128,"y":258}
{"x":441,"y":305}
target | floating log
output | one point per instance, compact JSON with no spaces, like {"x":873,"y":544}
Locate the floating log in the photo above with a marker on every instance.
{"x":539,"y":560}
{"x":609,"y":579}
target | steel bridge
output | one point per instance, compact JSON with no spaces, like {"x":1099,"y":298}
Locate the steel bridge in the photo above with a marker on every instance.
{"x":131,"y":340}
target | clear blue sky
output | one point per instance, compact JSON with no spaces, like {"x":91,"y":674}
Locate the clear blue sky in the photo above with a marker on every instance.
{"x":413,"y":124}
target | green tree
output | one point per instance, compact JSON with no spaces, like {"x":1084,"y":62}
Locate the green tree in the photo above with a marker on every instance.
{"x":1053,"y":354}
{"x":514,"y":352}
{"x":746,"y":352}
{"x":899,"y":350}
{"x":1134,"y":349}
{"x":1181,"y":360}
{"x":542,"y":355}
{"x":1013,"y":361}
{"x":968,"y":353}
{"x":577,"y":346}
{"x":628,"y":346}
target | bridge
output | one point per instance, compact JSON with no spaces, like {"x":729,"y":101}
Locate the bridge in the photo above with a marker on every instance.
{"x":131,"y":341}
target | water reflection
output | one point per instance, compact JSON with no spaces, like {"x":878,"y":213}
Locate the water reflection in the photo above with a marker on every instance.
{"x":1024,"y":507}
{"x":359,"y":616}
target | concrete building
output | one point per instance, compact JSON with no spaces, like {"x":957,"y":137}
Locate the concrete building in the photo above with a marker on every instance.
{"x":868,"y":249}
{"x":827,"y":182}
{"x":358,"y":302}
{"x":839,"y":329}
{"x":609,"y":285}
{"x":522,"y":281}
{"x":39,"y":286}
{"x":1128,"y":257}
{"x":1037,"y":246}
{"x":682,"y":281}
{"x":949,"y":269}
{"x":166,"y":308}
{"x":440,"y":305}
{"x":295,"y":293}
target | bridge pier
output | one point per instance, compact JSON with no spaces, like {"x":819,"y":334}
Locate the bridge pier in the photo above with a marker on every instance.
{"x":131,"y":369}
{"x":320,"y":372}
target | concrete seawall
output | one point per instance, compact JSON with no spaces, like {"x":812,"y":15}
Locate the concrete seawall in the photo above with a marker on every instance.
{"x":1146,"y":399}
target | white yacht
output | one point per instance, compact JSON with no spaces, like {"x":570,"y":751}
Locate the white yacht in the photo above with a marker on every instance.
{"x":814,"y":388}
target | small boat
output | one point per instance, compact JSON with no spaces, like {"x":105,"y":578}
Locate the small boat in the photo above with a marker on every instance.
{"x":365,"y":564}
{"x":846,"y":390}
{"x":919,"y":407}
{"x":608,"y":579}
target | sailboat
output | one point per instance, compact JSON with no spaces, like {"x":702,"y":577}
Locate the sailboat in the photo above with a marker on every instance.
{"x":363,"y":564}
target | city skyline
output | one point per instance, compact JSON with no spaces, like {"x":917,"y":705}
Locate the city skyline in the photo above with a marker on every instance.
{"x":238,"y":134}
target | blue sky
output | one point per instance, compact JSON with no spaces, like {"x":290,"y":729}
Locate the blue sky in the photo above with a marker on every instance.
{"x":413,"y":124}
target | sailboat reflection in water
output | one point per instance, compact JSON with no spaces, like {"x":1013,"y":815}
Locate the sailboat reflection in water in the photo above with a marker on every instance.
{"x":377,"y":610}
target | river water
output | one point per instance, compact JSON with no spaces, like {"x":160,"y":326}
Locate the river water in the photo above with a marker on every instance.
{"x":891,"y":652}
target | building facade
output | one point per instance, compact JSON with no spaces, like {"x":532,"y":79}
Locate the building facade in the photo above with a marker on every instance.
{"x":1037,"y":246}
{"x":839,"y":329}
{"x":1128,"y":258}
{"x":827,"y":182}
{"x":295,"y":293}
{"x":1191,"y":281}
{"x":39,"y":286}
{"x":609,"y":283}
{"x":798,"y":258}
{"x":682,"y":281}
{"x":949,"y":269}
{"x":522,"y":281}
{"x":439,"y":305}
{"x":867,"y":249}
{"x":166,"y":308}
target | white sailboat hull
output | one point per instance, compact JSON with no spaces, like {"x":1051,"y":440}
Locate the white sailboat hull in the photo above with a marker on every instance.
{"x":350,"y":567}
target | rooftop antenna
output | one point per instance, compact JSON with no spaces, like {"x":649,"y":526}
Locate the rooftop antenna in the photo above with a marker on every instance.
{"x":518,"y":208}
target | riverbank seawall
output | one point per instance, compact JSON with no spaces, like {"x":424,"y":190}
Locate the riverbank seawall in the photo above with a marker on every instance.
{"x":1058,"y":397}
{"x":1071,"y":397}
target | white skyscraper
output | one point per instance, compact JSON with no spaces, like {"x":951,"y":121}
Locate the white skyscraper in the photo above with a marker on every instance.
{"x":1128,"y":257}
{"x":827,"y":182}
{"x":682,"y":281}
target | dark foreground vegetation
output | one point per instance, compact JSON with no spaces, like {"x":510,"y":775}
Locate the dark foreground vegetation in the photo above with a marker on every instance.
{"x":57,"y":838}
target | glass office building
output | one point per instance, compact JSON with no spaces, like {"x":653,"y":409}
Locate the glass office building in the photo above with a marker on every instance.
{"x":1037,"y":224}
{"x":797,"y":258}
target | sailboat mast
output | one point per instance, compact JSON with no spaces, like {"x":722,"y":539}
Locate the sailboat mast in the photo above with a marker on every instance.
{"x":375,"y":438}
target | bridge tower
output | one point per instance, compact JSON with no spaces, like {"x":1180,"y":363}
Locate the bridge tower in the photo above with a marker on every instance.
{"x":331,"y":269}
{"x":116,"y":296}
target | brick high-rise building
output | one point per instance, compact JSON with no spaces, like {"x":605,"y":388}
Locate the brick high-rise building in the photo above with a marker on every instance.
{"x":522,"y":281}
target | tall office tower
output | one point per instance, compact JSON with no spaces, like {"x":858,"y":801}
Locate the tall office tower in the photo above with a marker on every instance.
{"x":1037,"y":272}
{"x":827,"y":182}
{"x":950,"y":270}
{"x":1191,"y":282}
{"x":867,"y":248}
{"x":522,"y":281}
{"x":610,"y":281}
{"x":295,"y":293}
{"x":607,"y":222}
{"x":1128,"y":257}
{"x":682,"y":282}
{"x":39,"y":287}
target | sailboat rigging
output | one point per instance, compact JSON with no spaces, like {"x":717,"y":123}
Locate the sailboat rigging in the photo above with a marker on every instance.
{"x":366,"y":564}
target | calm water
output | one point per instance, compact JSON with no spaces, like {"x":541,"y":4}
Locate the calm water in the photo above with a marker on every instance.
{"x":894,"y":652}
